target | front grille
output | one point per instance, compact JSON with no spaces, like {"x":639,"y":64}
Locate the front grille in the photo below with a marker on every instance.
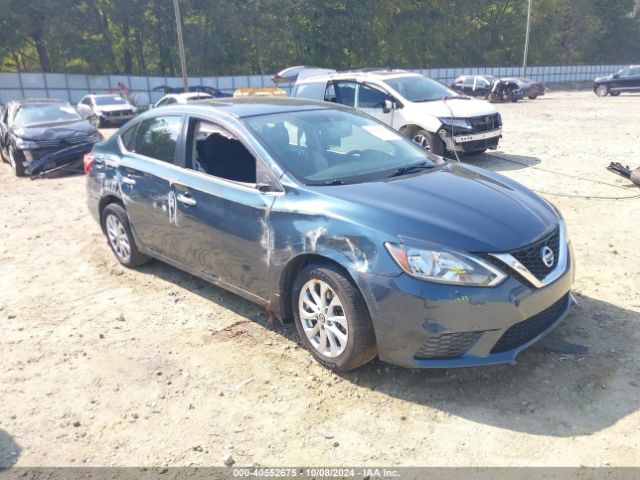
{"x":448,"y":345}
{"x":41,"y":152}
{"x":476,"y":145}
{"x":485,"y":123}
{"x":63,"y":143}
{"x":531,"y":257}
{"x":530,"y":328}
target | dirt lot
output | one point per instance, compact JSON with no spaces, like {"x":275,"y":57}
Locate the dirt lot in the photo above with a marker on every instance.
{"x":107,"y":366}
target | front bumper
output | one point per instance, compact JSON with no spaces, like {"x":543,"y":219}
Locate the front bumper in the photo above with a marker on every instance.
{"x":117,"y":118}
{"x":467,"y":143}
{"x":427,"y":325}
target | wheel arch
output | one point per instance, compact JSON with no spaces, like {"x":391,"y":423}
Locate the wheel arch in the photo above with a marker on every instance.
{"x":290,"y":271}
{"x":104,"y":202}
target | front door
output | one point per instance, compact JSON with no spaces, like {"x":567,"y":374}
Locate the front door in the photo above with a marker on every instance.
{"x":221,"y":222}
{"x":372,"y":101}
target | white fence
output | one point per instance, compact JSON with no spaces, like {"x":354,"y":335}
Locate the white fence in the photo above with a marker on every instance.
{"x":73,"y":87}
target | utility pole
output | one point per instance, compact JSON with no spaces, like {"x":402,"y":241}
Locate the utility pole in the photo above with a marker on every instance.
{"x":526,"y":41}
{"x":183,"y":59}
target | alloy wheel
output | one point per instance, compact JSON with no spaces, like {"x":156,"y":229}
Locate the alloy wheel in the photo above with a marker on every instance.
{"x":323,"y":318}
{"x":118,"y":239}
{"x":602,"y":90}
{"x":422,"y":141}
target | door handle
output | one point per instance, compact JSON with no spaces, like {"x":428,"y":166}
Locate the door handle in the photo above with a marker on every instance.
{"x":182,"y":198}
{"x":128,"y":181}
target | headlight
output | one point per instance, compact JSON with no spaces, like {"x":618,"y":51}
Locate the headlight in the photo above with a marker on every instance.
{"x":441,"y":265}
{"x":456,"y":122}
{"x":25,"y":144}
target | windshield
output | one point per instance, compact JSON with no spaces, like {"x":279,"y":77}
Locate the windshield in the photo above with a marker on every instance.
{"x":322,"y":147}
{"x":420,"y":89}
{"x":36,"y":113}
{"x":115,"y":100}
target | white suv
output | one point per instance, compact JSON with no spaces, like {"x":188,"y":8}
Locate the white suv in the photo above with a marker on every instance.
{"x":431,"y":114}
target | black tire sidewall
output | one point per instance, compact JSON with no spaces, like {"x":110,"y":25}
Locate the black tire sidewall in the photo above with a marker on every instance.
{"x":18,"y":167}
{"x":360,"y":347}
{"x":436,"y":145}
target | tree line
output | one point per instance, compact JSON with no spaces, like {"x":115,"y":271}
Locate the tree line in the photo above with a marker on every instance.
{"x":222,"y":37}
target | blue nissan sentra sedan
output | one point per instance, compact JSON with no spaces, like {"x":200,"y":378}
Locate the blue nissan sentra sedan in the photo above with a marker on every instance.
{"x":325,"y":215}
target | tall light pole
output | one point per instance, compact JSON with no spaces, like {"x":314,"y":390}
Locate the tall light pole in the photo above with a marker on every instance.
{"x":526,"y":42}
{"x":183,"y":59}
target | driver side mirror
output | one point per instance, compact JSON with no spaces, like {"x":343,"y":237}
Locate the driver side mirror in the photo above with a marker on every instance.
{"x":388,"y":105}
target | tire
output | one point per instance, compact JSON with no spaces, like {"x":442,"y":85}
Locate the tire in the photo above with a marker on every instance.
{"x":338,"y":345}
{"x":533,"y":97}
{"x":115,"y":224}
{"x":428,"y":141}
{"x":101,"y":122}
{"x":614,"y":94}
{"x":601,"y":90}
{"x":16,"y":159}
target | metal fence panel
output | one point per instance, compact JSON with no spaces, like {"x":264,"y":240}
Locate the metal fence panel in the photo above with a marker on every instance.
{"x":73,"y":87}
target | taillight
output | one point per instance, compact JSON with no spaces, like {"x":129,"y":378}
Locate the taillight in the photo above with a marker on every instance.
{"x":87,"y":161}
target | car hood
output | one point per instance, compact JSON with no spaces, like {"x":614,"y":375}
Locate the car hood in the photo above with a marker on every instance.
{"x":458,"y":206}
{"x":459,"y":107}
{"x":604,"y":79}
{"x":112,"y":108}
{"x":56,"y":131}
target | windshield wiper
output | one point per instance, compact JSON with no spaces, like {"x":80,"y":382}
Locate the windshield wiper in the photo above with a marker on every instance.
{"x":331,"y":181}
{"x":408,"y":168}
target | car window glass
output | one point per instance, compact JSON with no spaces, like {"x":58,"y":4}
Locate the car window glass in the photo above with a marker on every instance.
{"x":41,"y":113}
{"x":157,"y":138}
{"x":468,"y":82}
{"x":219,"y":153}
{"x":330,"y":93}
{"x":127,"y":137}
{"x":370,"y":97}
{"x":345,"y":92}
{"x":338,"y":145}
{"x":635,"y":71}
{"x":86,"y":101}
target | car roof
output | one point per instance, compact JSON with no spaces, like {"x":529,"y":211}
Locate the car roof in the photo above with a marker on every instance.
{"x":249,"y":106}
{"x":360,"y":74}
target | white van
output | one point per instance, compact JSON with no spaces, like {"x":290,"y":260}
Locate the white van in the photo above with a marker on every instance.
{"x":423,"y":109}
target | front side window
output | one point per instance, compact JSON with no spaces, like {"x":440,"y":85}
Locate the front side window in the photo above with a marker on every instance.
{"x":322,"y":147}
{"x":417,"y":88}
{"x":468,"y":82}
{"x":369,"y":97}
{"x":219,"y":153}
{"x":157,"y":138}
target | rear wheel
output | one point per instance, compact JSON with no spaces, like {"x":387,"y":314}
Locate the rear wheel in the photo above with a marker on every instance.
{"x":602,"y":90}
{"x":428,"y":141}
{"x":533,"y":97}
{"x":332,"y":319}
{"x":615,"y":94}
{"x":119,"y":236}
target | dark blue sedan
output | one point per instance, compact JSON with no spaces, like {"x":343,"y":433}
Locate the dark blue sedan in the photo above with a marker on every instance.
{"x":325,"y":215}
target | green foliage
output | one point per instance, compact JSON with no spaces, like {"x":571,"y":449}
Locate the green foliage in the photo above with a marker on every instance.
{"x":224,"y":37}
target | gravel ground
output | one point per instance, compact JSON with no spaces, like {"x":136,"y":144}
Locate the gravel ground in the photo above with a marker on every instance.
{"x":107,"y":366}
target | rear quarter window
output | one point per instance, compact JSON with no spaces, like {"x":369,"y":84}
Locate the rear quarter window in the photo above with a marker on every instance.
{"x":127,"y":137}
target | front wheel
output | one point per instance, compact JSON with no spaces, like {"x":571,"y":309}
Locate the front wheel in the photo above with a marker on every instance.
{"x":16,"y":160}
{"x":116,"y":226}
{"x":602,"y":90}
{"x":429,"y":141}
{"x":332,"y":319}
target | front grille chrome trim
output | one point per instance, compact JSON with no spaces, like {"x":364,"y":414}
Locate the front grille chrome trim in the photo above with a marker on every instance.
{"x":561,"y":267}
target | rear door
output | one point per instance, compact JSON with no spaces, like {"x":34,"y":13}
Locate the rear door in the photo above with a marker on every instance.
{"x":145,"y":175}
{"x":220,"y":226}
